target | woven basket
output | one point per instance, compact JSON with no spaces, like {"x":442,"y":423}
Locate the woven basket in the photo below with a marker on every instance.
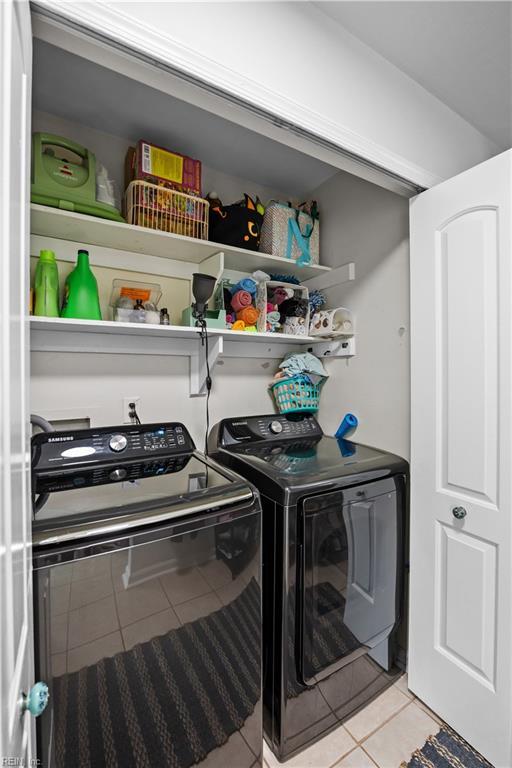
{"x":296,"y":394}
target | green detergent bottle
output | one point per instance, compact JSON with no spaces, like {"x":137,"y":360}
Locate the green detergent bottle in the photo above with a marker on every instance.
{"x":46,"y":285}
{"x":81,"y":299}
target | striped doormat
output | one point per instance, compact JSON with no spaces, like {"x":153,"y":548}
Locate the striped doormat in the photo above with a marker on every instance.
{"x":446,"y":750}
{"x":165,"y":703}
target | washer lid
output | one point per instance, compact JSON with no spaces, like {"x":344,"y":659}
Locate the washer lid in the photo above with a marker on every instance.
{"x":129,"y":494}
{"x":287,"y":467}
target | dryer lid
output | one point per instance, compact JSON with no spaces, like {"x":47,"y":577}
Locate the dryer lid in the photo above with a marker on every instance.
{"x":294,"y":467}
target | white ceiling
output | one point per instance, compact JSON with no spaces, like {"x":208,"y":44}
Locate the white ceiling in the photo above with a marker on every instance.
{"x":84,"y":92}
{"x":459,"y":51}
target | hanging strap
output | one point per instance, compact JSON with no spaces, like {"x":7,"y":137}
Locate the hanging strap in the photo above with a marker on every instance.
{"x":302,"y":240}
{"x":308,"y":230}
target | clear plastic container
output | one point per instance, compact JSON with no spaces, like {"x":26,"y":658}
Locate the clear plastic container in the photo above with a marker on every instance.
{"x":124,"y":295}
{"x":133,"y":289}
{"x":122,"y":315}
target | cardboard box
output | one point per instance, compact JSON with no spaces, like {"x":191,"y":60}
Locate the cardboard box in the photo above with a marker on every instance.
{"x":156,"y":165}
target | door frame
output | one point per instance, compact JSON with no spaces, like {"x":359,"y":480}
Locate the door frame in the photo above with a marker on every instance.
{"x":16,"y":639}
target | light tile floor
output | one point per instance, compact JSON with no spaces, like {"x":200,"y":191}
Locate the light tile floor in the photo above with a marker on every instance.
{"x":381,"y":735}
{"x":95,"y":614}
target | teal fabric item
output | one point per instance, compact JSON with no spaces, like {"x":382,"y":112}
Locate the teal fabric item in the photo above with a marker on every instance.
{"x":302,"y":240}
{"x":300,"y":363}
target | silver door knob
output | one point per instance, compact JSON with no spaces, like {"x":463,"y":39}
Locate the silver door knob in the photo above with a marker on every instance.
{"x":459,"y":512}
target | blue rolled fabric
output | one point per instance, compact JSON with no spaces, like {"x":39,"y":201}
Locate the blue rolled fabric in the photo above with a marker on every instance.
{"x":245,"y":284}
{"x":347,"y":426}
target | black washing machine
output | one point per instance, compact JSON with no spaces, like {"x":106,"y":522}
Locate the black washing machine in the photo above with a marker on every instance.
{"x":333,"y":557}
{"x":147,"y":590}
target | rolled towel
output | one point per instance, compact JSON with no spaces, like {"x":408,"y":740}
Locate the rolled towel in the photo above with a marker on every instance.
{"x":249,"y":315}
{"x":246,"y":284}
{"x":238,"y":325}
{"x":240,"y":300}
{"x":281,"y":294}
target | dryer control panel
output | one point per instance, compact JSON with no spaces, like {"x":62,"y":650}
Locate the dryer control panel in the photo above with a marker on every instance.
{"x":60,"y":450}
{"x":254,"y":429}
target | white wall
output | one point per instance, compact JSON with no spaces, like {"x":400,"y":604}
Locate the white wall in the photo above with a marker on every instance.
{"x":110,"y":150}
{"x":75,"y":386}
{"x":369,"y":225}
{"x":292,"y":60}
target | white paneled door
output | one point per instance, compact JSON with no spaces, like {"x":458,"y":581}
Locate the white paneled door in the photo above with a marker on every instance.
{"x":461,"y":464}
{"x":16,"y":651}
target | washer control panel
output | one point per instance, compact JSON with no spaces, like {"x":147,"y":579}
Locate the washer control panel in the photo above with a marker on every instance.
{"x":86,"y":477}
{"x":118,"y":443}
{"x":108,"y":444}
{"x":254,"y":429}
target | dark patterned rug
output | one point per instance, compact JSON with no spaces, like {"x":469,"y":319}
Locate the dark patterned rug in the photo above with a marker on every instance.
{"x":167,"y":702}
{"x":446,"y":750}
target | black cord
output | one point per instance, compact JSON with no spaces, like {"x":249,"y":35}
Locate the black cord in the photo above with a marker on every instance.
{"x":132,"y":413}
{"x":204,"y":336}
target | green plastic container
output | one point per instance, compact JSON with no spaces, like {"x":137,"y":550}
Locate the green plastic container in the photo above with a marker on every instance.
{"x":46,"y":285}
{"x":81,"y":299}
{"x":69,"y":184}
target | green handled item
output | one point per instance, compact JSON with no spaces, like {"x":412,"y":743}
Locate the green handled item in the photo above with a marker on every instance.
{"x":64,"y":176}
{"x":81,"y":299}
{"x":46,"y":285}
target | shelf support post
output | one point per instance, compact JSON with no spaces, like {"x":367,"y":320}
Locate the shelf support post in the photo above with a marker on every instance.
{"x":198,"y":370}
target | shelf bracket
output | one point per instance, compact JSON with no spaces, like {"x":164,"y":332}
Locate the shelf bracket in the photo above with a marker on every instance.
{"x":344,"y":347}
{"x":337,"y":276}
{"x":198,"y":368}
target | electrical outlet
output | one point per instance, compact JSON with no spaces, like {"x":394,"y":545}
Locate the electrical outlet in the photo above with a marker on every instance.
{"x":126,"y":408}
